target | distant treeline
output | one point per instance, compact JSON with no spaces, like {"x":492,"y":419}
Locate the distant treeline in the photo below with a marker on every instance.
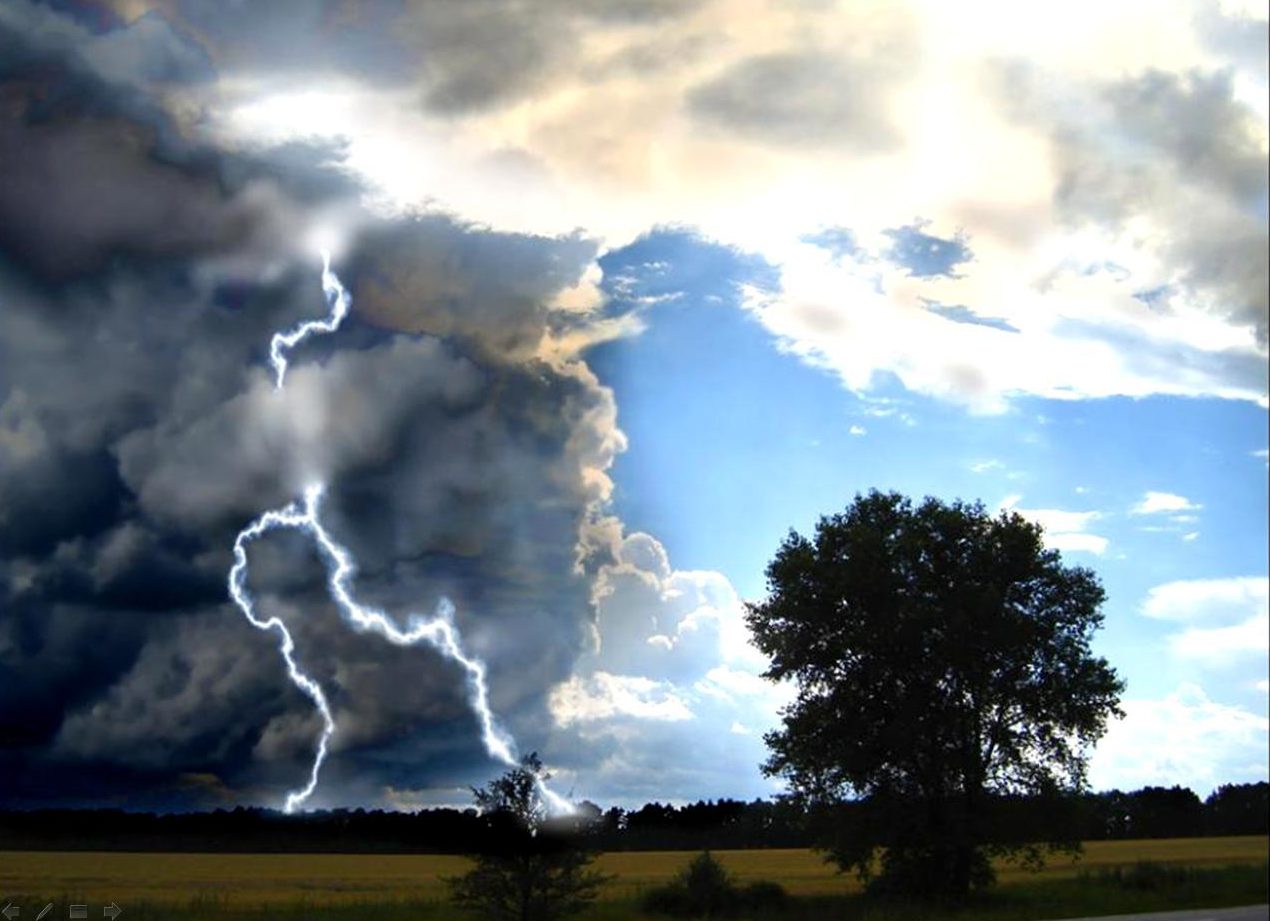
{"x":1152,"y":812}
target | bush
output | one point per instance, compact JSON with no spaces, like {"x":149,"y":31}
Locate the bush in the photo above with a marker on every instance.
{"x":1147,"y":876}
{"x":1183,"y":883}
{"x":764,"y":895}
{"x":705,"y":889}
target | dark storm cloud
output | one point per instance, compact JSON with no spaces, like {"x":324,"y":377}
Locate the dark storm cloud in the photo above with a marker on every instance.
{"x":483,"y":53}
{"x":802,"y":97}
{"x":146,"y":51}
{"x":55,"y":656}
{"x":449,"y":476}
{"x":142,"y":272}
{"x":95,"y":168}
{"x":49,"y":497}
{"x":462,"y":56}
{"x":192,"y":697}
{"x":76,"y":193}
{"x":287,"y":37}
{"x":487,"y":290}
{"x":514,"y":54}
{"x":1195,"y":121}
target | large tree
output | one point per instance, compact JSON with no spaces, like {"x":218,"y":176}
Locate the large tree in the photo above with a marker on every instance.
{"x":942,"y":659}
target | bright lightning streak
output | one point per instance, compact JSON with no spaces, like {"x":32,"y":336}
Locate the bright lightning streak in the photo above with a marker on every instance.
{"x":439,"y":631}
{"x":289,"y":517}
{"x":338,"y":299}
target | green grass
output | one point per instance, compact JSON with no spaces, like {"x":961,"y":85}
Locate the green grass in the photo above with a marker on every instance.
{"x":1113,"y":877}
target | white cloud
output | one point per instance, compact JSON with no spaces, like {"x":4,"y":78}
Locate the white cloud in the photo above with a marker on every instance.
{"x":1154,"y":503}
{"x":1060,"y":168}
{"x":857,"y":430}
{"x":1219,"y":645}
{"x":1227,"y":619}
{"x":1184,"y":738}
{"x":986,"y":465}
{"x":1208,"y":599}
{"x":1077,"y":543}
{"x":1065,"y":531}
{"x":601,"y":696}
{"x":672,"y":702}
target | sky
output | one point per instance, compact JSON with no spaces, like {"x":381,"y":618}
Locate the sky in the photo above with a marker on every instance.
{"x":637,"y":288}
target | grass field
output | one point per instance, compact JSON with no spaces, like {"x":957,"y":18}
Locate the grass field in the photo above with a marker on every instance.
{"x":209,"y":885}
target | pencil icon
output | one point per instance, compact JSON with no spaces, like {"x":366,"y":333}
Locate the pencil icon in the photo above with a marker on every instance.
{"x":44,"y":911}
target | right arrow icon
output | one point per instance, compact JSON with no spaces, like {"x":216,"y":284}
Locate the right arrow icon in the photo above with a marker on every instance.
{"x":111,"y":911}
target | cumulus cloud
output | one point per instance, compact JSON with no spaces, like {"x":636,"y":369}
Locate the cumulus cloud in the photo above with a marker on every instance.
{"x":1226,"y":620}
{"x":1207,"y":599}
{"x":602,"y":696}
{"x":673,"y":671}
{"x":1218,"y":645}
{"x":1182,"y":738}
{"x":1157,"y":502}
{"x":1065,"y":531}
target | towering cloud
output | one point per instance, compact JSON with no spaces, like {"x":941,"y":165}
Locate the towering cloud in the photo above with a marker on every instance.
{"x":139,"y":429}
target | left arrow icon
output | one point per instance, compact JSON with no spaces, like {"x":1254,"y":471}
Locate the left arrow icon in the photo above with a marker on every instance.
{"x":10,"y":911}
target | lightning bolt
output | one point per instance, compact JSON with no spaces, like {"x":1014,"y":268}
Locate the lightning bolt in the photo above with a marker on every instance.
{"x":338,"y":302}
{"x":439,"y":630}
{"x":289,"y":517}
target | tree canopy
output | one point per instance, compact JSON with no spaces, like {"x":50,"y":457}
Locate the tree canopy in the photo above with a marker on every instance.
{"x":942,"y":658}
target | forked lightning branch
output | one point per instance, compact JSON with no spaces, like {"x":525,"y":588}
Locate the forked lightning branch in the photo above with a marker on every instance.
{"x":439,"y":630}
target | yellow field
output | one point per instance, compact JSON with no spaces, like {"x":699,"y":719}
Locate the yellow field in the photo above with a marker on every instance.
{"x":256,"y":879}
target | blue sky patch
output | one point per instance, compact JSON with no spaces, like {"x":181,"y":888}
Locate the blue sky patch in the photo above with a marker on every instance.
{"x":925,"y":255}
{"x":961,"y":314}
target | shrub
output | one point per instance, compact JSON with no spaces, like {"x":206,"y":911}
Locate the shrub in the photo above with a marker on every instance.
{"x":1147,"y":876}
{"x":764,"y":895}
{"x":705,"y":889}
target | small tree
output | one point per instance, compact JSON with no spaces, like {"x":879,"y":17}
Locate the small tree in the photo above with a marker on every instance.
{"x":704,"y":889}
{"x":942,"y":657}
{"x":533,"y":867}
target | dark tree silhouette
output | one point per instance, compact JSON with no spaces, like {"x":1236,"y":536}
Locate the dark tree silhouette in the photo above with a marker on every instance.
{"x":942,"y":658}
{"x":1238,"y":809}
{"x":533,"y":867}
